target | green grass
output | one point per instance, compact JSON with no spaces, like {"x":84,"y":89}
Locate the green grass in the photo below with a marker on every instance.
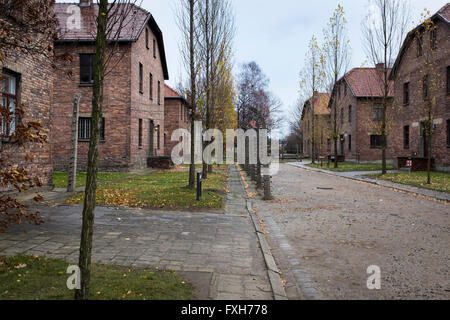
{"x":439,"y":181}
{"x":60,"y":178}
{"x":34,"y":278}
{"x":347,"y":167}
{"x":163,"y":189}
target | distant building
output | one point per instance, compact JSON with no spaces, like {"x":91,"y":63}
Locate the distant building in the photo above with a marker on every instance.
{"x":321,"y":118}
{"x":133,"y":112}
{"x":177,"y":113}
{"x":418,"y":86}
{"x":357,"y":101}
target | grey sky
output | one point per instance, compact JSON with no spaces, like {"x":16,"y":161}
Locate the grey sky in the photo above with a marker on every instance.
{"x":275,"y":34}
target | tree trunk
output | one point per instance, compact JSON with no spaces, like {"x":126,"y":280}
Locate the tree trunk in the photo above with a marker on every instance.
{"x":193,"y":94}
{"x":72,"y":175}
{"x":92,"y":170}
{"x":429,"y":139}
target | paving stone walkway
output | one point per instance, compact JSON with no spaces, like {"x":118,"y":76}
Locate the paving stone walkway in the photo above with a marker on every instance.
{"x":218,"y":253}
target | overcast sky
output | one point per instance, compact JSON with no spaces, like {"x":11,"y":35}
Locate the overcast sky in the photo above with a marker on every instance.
{"x":275,"y":34}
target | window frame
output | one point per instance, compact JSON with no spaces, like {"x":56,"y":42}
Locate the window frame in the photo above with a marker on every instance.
{"x":141,"y":133}
{"x":406,"y":137}
{"x":406,"y":95}
{"x":141,"y":78}
{"x":373,"y":141}
{"x":5,"y":128}
{"x":377,"y":112}
{"x":91,"y":68}
{"x":159,"y":92}
{"x":89,"y":121}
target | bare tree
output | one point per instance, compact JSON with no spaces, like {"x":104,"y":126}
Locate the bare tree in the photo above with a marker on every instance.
{"x":383,"y":32}
{"x":188,"y":21}
{"x":216,"y":24}
{"x":337,"y":53}
{"x":111,"y":20}
{"x":312,"y":80}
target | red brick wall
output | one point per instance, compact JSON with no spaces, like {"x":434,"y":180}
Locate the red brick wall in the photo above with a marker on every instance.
{"x":124,"y":105}
{"x":176,"y":116}
{"x":412,"y":69}
{"x":141,"y":105}
{"x":114,"y":151}
{"x":360,"y":128}
{"x":35,"y":91}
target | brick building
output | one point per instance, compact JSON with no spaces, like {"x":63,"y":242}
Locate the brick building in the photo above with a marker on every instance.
{"x":27,"y":79}
{"x":322,"y":116}
{"x":176,"y":116}
{"x":357,"y":102}
{"x":133,"y":111}
{"x":422,"y":80}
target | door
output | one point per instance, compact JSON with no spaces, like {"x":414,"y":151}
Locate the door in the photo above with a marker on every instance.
{"x":152,"y":138}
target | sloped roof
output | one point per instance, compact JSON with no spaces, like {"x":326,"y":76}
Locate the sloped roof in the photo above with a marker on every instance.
{"x":171,"y":93}
{"x":132,"y":27}
{"x":367,"y":82}
{"x":320,"y":104}
{"x":443,"y":14}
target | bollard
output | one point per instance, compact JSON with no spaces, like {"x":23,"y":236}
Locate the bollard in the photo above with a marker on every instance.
{"x":199,"y":185}
{"x":267,"y":191}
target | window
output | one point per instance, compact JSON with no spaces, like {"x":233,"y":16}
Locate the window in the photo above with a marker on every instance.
{"x":85,"y":129}
{"x":350,"y":113}
{"x":425,"y":85}
{"x":406,"y":137}
{"x":9,"y":102}
{"x":87,"y":68}
{"x":406,"y":94}
{"x":419,"y":40}
{"x":448,"y":80}
{"x":140,"y":133}
{"x":154,"y":48}
{"x":151,"y":86}
{"x":141,"y":80}
{"x":158,"y":136}
{"x":377,"y":112}
{"x":349,"y":142}
{"x":448,"y":133}
{"x":159,"y":92}
{"x":146,"y":39}
{"x":433,"y":38}
{"x":375,"y":142}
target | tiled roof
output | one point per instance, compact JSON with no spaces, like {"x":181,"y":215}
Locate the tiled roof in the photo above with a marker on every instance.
{"x":131,"y":29}
{"x":320,"y":104}
{"x":445,"y":12}
{"x":367,"y":82}
{"x":171,"y":93}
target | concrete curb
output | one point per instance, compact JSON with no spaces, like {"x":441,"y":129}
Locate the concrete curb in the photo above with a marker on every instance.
{"x":395,"y":187}
{"x":273,"y":272}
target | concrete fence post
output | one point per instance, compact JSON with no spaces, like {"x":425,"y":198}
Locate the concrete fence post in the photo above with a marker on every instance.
{"x":72,"y":174}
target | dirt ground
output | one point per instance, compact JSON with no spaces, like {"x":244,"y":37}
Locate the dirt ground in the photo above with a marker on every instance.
{"x":339,"y":227}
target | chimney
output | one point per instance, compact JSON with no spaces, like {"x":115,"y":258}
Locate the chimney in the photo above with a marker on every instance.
{"x":85,"y":3}
{"x":380,"y":66}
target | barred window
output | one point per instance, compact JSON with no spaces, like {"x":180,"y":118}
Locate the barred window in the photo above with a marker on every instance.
{"x":375,"y":141}
{"x":85,"y":129}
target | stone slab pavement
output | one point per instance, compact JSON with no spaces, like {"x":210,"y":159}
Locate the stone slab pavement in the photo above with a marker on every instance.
{"x":218,"y":252}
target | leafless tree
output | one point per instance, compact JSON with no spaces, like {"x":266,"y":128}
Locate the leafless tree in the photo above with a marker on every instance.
{"x":111,"y":21}
{"x":337,"y":53}
{"x":383,"y":32}
{"x":216,"y":25}
{"x":188,"y":22}
{"x":312,"y":80}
